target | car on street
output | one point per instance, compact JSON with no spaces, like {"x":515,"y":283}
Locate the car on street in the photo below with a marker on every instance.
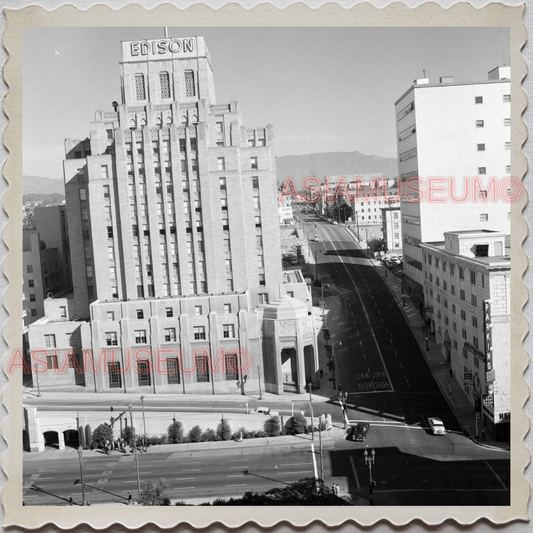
{"x":317,"y":238}
{"x":358,"y":433}
{"x":294,"y":261}
{"x":436,"y":425}
{"x":264,"y":411}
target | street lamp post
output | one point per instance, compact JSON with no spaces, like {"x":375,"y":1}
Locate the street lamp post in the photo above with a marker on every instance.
{"x":335,"y":384}
{"x":260,"y":389}
{"x":310,"y":385}
{"x":369,"y":461}
{"x":144,"y":424}
{"x":135,"y":451}
{"x":80,"y":452}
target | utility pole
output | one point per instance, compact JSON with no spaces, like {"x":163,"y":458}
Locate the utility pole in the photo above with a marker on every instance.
{"x":311,"y":408}
{"x":80,"y":453}
{"x":144,"y":424}
{"x":320,"y":446}
{"x":259,"y":375}
{"x":135,"y":451}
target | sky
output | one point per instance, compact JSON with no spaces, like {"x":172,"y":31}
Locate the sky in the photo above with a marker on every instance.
{"x":323,"y":89}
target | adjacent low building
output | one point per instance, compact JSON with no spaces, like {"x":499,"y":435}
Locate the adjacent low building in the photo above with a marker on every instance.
{"x":467,"y":289}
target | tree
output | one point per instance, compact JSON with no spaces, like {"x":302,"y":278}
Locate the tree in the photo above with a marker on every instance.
{"x":154,"y":493}
{"x":175,"y":432}
{"x":195,"y":434}
{"x":101,"y":434}
{"x":209,"y":435}
{"x":81,"y":438}
{"x":88,"y":436}
{"x":127,"y":435}
{"x":298,"y":424}
{"x":224,"y":429}
{"x":273,"y":426}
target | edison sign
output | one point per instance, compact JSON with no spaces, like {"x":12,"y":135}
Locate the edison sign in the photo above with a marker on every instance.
{"x":159,"y":49}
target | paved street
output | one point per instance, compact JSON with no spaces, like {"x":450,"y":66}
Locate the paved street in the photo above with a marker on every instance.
{"x":389,"y":384}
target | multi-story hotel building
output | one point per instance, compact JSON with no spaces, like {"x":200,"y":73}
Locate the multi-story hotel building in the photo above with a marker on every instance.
{"x":458,"y":133}
{"x":467,"y":290}
{"x":175,"y":240}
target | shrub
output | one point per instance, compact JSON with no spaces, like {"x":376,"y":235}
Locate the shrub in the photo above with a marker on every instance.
{"x":224,"y":430}
{"x":260,"y":434}
{"x":298,"y":424}
{"x":195,"y":434}
{"x":154,"y":493}
{"x":88,"y":436}
{"x":208,"y":435}
{"x":175,"y":432}
{"x":81,"y":438}
{"x":273,"y":426}
{"x":127,"y":435}
{"x":236,"y":436}
{"x":249,"y":435}
{"x":101,"y":434}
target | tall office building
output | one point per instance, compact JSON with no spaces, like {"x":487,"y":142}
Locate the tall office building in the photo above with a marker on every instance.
{"x":456,"y":132}
{"x":175,"y":240}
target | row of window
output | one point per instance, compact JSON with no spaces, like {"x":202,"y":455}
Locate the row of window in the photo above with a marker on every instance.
{"x":169,"y":334}
{"x":481,"y":147}
{"x":164,"y":85}
{"x":172,"y":371}
{"x":505,"y":98}
{"x":169,"y":311}
{"x":481,"y":123}
{"x":221,"y":163}
{"x":482,"y":250}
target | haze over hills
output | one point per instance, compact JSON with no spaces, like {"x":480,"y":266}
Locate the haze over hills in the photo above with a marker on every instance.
{"x":38,"y":185}
{"x":325,"y":164}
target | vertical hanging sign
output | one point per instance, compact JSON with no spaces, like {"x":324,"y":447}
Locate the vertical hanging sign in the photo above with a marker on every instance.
{"x":489,"y":368}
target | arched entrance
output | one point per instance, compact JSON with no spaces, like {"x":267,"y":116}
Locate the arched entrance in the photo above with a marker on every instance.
{"x":72,"y":438}
{"x":51,"y":439}
{"x":289,"y":369}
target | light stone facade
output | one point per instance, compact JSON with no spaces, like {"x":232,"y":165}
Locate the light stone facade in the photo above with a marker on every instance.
{"x":467,"y":289}
{"x":453,"y":132}
{"x":174,"y":233}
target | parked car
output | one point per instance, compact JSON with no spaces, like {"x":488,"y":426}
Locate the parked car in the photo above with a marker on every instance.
{"x":317,"y":238}
{"x":358,"y":433}
{"x":294,"y":261}
{"x":264,"y":411}
{"x":436,"y":426}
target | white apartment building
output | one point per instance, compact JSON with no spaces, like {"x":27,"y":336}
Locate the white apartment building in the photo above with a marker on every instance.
{"x":450,"y":135}
{"x":392,"y":228}
{"x":467,"y":288}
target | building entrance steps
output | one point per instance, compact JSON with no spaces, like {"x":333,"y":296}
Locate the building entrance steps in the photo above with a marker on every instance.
{"x":449,"y":386}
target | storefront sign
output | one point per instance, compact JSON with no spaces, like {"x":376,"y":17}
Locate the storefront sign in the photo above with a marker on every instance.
{"x":488,"y":340}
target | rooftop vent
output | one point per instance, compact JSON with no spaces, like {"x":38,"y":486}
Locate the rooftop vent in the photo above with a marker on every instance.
{"x":446,"y":79}
{"x":421,"y":81}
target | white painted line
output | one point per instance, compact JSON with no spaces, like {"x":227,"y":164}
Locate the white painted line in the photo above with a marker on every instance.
{"x":355,"y":474}
{"x":291,"y":473}
{"x":314,"y":460}
{"x":294,"y":464}
{"x":496,"y":475}
{"x":235,"y":475}
{"x":408,"y":384}
{"x":182,"y":488}
{"x":401,"y":365}
{"x":238,"y":485}
{"x":236,"y":467}
{"x":184,"y":478}
{"x":191,"y":470}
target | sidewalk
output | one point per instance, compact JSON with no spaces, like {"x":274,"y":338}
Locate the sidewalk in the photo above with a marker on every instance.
{"x":232,"y":447}
{"x":450,"y":388}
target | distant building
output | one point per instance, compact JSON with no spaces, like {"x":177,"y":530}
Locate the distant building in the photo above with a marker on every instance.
{"x":457,"y":131}
{"x":392,"y":228}
{"x":51,"y":223}
{"x":175,"y":241}
{"x":467,"y":288}
{"x":285,"y":212}
{"x":42,"y":274}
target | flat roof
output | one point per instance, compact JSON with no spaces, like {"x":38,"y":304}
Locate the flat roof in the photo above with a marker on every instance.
{"x":449,"y":84}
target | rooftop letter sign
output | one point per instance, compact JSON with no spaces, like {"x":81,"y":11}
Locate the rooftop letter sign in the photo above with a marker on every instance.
{"x":159,"y":49}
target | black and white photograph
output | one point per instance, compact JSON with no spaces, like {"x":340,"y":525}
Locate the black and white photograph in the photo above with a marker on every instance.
{"x":268,"y":266}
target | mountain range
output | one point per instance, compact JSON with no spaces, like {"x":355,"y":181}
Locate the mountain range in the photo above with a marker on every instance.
{"x":297,"y":167}
{"x":325,"y":164}
{"x":38,"y":185}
